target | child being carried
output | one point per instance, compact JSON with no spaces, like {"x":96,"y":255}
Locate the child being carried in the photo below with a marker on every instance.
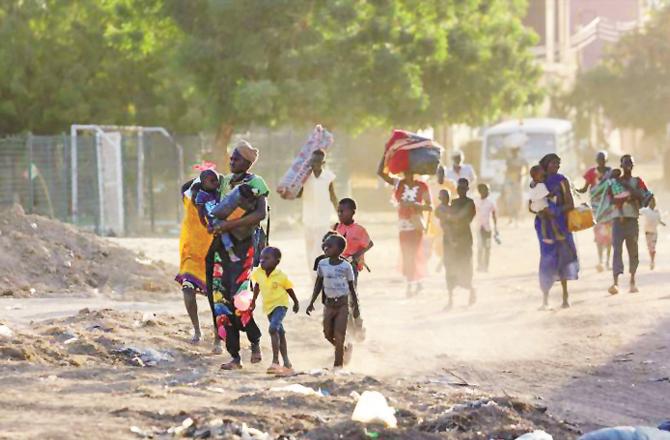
{"x":539,"y":200}
{"x":234,"y":205}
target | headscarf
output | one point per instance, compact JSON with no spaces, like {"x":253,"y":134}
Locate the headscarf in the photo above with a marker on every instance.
{"x":544,"y":162}
{"x":247,"y":151}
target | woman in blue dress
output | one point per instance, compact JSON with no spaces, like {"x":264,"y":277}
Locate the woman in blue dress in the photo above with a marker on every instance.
{"x":558,"y":256}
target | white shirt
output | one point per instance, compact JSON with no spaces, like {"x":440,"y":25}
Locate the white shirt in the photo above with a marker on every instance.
{"x":466,"y":172}
{"x":538,"y":197}
{"x":317,"y":209}
{"x":485,"y":208}
{"x":652,"y":218}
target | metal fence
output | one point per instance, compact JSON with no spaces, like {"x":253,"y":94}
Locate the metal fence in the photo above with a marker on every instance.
{"x":42,"y":174}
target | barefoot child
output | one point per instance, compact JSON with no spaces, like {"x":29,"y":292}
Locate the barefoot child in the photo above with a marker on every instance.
{"x":652,"y":218}
{"x":486,"y":210}
{"x":335,"y":276}
{"x":276,"y":289}
{"x":358,"y":243}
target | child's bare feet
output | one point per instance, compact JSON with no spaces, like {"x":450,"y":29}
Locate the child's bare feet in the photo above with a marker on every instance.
{"x":216,"y":349}
{"x":613,"y":290}
{"x":275,"y":368}
{"x":633,"y":289}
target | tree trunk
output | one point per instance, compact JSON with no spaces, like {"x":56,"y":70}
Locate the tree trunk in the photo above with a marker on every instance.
{"x":220,"y":154}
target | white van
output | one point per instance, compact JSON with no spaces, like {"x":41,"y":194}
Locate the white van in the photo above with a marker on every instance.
{"x":541,"y":136}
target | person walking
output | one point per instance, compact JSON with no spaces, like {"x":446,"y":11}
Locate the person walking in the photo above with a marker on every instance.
{"x":512,"y":192}
{"x":227,"y":278}
{"x":486,"y":214}
{"x":602,"y":230}
{"x":413,"y":199}
{"x":558,"y":255}
{"x":319,"y":203}
{"x":194,"y":242}
{"x":625,"y":227}
{"x":456,"y":218}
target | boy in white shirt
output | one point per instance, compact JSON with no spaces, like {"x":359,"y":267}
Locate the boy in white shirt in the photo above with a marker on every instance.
{"x":652,"y":218}
{"x":486,"y":210}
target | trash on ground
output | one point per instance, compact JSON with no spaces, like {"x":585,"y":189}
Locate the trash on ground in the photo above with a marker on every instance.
{"x":535,"y":435}
{"x":372,"y":407}
{"x":253,"y":434}
{"x":148,"y":356}
{"x":180,"y":429}
{"x":6,"y":332}
{"x":299,"y":389}
{"x":137,"y":430}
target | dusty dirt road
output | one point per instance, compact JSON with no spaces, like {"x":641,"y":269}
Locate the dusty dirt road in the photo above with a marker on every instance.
{"x":605,"y":361}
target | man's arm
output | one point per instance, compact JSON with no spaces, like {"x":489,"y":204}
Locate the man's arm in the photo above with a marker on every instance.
{"x":333,"y":197}
{"x":254,"y":218}
{"x":495,"y":220}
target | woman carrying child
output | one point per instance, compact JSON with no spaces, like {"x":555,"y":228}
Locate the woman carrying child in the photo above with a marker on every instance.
{"x":558,"y":254}
{"x":225,"y":277}
{"x":413,"y":198}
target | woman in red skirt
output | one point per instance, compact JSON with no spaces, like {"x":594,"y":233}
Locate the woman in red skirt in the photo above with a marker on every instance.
{"x":413,"y":198}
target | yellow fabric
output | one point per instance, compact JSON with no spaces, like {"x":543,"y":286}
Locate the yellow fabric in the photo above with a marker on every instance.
{"x":194,"y":242}
{"x":273,"y":288}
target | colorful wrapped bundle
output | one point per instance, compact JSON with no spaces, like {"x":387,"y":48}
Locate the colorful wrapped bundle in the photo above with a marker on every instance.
{"x":290,"y":185}
{"x":406,"y":151}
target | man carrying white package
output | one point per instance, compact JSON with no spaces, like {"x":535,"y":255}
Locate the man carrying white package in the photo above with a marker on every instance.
{"x":319,"y":204}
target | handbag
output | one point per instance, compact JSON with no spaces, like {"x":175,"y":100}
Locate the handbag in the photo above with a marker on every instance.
{"x":580,"y":218}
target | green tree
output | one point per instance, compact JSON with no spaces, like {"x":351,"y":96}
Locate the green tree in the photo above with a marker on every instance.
{"x":67,"y":61}
{"x":355,"y":63}
{"x":632,"y":84}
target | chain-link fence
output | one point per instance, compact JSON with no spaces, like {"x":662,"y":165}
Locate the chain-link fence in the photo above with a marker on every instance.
{"x":137,"y":184}
{"x":127,"y":181}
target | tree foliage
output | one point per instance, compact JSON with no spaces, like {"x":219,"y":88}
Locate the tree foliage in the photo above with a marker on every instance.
{"x":229,"y":64}
{"x":357,"y":62}
{"x":68,"y":61}
{"x":632,"y":84}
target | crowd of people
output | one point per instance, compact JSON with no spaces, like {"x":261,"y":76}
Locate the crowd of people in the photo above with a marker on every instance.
{"x":225,"y":254}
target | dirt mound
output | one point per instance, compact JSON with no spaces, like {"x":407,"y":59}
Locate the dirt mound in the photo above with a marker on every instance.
{"x":101,"y":337}
{"x":41,"y":256}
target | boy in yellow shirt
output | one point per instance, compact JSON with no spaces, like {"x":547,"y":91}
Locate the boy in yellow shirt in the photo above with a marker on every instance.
{"x":276,"y":288}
